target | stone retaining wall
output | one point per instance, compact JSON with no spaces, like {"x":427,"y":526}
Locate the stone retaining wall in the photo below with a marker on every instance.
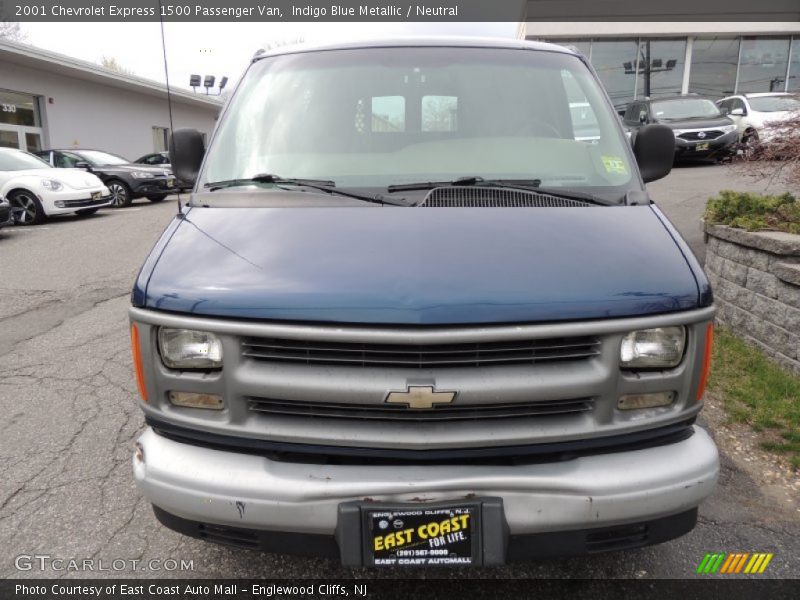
{"x":756,"y":281}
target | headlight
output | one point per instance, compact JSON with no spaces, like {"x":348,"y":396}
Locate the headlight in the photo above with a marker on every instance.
{"x":142,"y":175}
{"x":189,"y":349}
{"x":52,"y":185}
{"x":728,"y":128}
{"x":678,"y":132}
{"x":653,"y":348}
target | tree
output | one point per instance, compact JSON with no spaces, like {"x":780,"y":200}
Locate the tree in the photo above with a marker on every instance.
{"x":12,"y":31}
{"x":777,"y":156}
{"x":109,"y":62}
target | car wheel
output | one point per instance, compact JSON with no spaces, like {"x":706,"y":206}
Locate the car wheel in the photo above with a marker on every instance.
{"x":156,"y":198}
{"x":120,"y":194}
{"x":86,"y":211}
{"x":26,"y":208}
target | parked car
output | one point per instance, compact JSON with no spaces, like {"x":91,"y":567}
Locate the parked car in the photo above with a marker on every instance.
{"x":6,"y":217}
{"x":35,"y":190}
{"x":161,"y":159}
{"x":452,"y":333}
{"x":126,"y":180}
{"x":701,"y":130}
{"x":751,"y":112}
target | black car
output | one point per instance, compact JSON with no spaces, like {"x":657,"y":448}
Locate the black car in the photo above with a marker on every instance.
{"x":701,"y":130}
{"x":124,"y":179}
{"x":161,"y":159}
{"x":6,"y":218}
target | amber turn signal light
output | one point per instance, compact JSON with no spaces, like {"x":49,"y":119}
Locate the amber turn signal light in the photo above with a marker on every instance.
{"x":701,"y":388}
{"x":138,"y":371}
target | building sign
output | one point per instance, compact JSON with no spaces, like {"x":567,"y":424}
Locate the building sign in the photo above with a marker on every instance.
{"x":18,"y":109}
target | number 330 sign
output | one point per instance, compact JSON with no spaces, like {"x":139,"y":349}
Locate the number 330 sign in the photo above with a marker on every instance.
{"x":9,"y":108}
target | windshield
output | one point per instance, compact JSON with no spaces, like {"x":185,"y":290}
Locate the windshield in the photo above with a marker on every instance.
{"x":685,"y":108}
{"x":388,"y":116}
{"x":17,"y":160}
{"x":98,"y":158}
{"x":774,"y":103}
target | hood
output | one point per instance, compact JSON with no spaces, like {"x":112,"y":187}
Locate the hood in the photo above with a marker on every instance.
{"x":696,"y":122}
{"x":76,"y":179}
{"x":420,"y":265}
{"x":130,"y":167}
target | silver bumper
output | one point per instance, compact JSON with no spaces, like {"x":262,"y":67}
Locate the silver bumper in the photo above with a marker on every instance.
{"x":253,"y":492}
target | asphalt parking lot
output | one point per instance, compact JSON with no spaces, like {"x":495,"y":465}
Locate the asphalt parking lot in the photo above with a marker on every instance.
{"x":68,"y":418}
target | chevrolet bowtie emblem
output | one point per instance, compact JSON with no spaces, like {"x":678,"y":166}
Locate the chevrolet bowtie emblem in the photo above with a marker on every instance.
{"x":420,"y":397}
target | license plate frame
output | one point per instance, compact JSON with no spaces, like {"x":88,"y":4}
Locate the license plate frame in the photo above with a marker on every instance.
{"x":701,"y":147}
{"x":482,"y":542}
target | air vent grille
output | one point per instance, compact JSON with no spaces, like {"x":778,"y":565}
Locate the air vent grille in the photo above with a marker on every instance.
{"x":490,"y":197}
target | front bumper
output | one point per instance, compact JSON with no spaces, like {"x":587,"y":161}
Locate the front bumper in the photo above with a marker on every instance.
{"x":250,"y":492}
{"x":705,"y":148}
{"x":154,"y":187}
{"x":70,"y":201}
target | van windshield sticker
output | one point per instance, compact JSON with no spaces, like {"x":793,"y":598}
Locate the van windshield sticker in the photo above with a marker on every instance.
{"x":614,"y":164}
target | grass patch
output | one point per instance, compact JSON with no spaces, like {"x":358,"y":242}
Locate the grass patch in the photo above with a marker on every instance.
{"x":757,"y":392}
{"x":754,"y":212}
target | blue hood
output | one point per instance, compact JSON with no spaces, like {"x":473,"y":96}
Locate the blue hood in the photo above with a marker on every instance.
{"x":419,"y":265}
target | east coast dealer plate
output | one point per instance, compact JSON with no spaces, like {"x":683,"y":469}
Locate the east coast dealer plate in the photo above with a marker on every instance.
{"x":423,"y":536}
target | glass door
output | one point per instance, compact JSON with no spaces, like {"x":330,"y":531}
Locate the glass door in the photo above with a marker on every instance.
{"x":9,"y":138}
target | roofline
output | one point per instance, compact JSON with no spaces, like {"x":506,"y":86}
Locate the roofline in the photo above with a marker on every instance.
{"x":45,"y":60}
{"x":416,"y":42}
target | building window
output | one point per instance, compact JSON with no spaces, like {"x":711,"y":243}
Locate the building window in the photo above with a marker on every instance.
{"x":615,"y":62}
{"x":160,"y":139}
{"x":763,"y":65}
{"x":714,"y":62}
{"x":19,"y":109}
{"x":661,"y":64}
{"x":794,"y":66}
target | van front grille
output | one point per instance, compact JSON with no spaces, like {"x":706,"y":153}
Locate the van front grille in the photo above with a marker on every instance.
{"x":393,"y":412}
{"x":419,"y":356}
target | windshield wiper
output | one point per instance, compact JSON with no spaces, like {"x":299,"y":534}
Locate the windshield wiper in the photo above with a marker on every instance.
{"x":322,"y":185}
{"x":264,"y":178}
{"x":528,"y":185}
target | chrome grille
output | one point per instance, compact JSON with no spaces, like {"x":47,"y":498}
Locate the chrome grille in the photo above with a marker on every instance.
{"x":389,"y":412}
{"x":419,"y":356}
{"x":694,"y":136}
{"x":490,"y":197}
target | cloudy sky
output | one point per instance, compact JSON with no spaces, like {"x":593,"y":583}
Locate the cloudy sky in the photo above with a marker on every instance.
{"x":216,"y":48}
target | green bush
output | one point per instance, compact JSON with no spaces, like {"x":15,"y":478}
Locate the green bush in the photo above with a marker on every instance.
{"x":754,"y":212}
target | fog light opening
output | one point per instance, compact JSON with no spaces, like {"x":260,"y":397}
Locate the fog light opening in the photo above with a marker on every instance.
{"x":195,"y":400}
{"x":138,"y":453}
{"x":639,"y":401}
{"x":60,"y":204}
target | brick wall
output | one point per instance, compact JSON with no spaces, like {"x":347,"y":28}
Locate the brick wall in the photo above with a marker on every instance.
{"x":756,"y":281}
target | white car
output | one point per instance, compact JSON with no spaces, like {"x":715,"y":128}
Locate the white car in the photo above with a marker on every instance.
{"x":753,"y":112}
{"x":36,"y":190}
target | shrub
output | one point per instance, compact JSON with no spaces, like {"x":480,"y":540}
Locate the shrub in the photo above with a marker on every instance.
{"x":754,"y":212}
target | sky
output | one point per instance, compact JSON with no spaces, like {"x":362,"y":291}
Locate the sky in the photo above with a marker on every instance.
{"x":219,"y":49}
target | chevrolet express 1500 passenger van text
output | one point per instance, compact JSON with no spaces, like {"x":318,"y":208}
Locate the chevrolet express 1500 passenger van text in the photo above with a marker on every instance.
{"x":414,"y":314}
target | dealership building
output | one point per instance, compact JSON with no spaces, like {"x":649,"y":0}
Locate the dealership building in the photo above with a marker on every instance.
{"x":635,"y":60}
{"x":49,"y":100}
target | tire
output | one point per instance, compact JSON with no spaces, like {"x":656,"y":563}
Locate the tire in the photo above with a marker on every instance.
{"x":156,"y":198}
{"x":85,"y":212}
{"x":26,"y":208}
{"x":120,"y":193}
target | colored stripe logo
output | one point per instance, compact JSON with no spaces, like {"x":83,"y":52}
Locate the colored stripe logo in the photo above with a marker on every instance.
{"x":732,"y":563}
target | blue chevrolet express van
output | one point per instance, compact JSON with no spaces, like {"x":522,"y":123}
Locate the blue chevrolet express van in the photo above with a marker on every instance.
{"x":415,"y":314}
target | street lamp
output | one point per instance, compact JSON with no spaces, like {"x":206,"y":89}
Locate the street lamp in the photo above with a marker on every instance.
{"x":208,"y":83}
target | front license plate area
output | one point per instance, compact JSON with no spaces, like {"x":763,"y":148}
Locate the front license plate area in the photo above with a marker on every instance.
{"x":701,"y":147}
{"x":453,"y":532}
{"x":423,"y":536}
{"x":95,"y":195}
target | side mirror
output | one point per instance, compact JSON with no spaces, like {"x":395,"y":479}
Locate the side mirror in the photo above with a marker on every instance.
{"x":654,"y":149}
{"x":724,"y":110}
{"x":186,"y":150}
{"x":737,"y":112}
{"x":83,"y":165}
